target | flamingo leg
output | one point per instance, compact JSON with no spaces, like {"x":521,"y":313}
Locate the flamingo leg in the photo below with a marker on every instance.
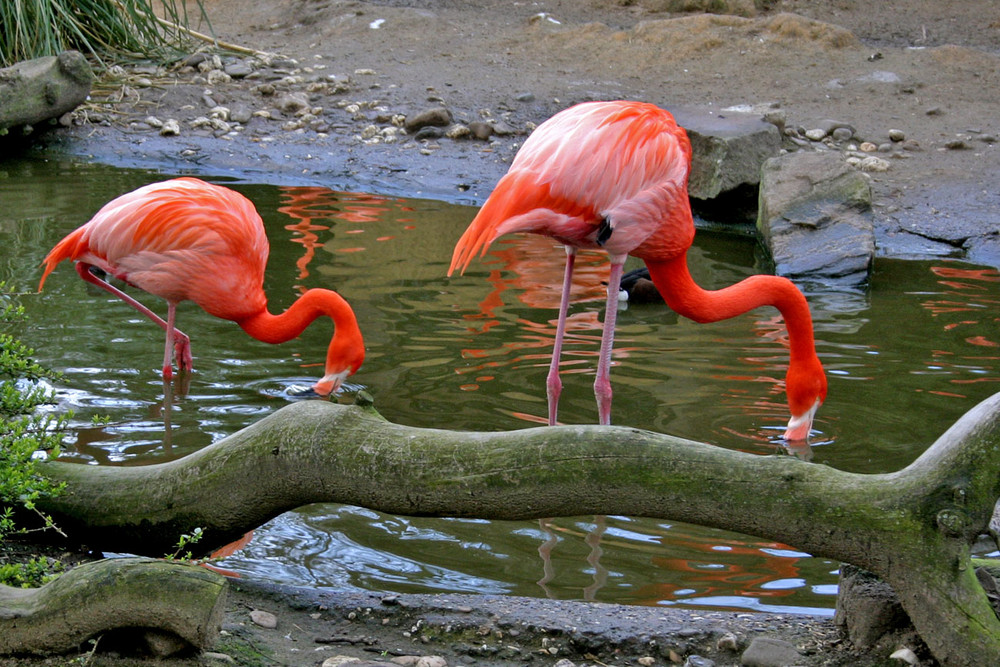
{"x":180,"y":340}
{"x":553,"y":385}
{"x":602,"y":383}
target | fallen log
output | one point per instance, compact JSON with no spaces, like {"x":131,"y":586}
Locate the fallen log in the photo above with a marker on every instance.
{"x":36,"y":90}
{"x":175,"y":606}
{"x":912,"y":528}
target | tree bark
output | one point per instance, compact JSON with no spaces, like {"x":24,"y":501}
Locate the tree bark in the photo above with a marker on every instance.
{"x":138,"y":594}
{"x":35,"y":90}
{"x":912,"y":528}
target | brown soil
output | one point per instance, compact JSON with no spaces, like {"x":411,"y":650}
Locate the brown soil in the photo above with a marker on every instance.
{"x":929,"y":69}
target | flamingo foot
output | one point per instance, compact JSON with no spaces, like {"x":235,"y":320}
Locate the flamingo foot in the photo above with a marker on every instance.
{"x":182,"y":352}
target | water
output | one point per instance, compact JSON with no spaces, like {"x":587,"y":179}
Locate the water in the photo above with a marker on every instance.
{"x":904,"y":360}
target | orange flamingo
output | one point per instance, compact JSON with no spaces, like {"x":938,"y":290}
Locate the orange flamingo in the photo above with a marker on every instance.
{"x":613,"y":175}
{"x":185,"y":239}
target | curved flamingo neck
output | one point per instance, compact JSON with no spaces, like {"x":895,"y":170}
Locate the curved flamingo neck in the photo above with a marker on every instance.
{"x":687,"y":298}
{"x":346,"y":350}
{"x":805,"y":381}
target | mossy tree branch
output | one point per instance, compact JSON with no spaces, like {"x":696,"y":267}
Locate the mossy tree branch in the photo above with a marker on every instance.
{"x":912,"y":528}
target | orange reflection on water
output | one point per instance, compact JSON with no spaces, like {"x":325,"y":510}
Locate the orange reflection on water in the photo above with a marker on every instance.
{"x":974,"y":294}
{"x":736,"y":569}
{"x":309,"y":204}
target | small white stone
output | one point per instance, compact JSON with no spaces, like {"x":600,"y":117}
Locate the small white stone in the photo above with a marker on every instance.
{"x":874,"y":164}
{"x":170,"y":128}
{"x":906,"y":655}
{"x":815,"y":134}
{"x":264,"y":619}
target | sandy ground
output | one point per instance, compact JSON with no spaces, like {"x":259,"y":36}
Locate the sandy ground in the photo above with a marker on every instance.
{"x":928,"y":69}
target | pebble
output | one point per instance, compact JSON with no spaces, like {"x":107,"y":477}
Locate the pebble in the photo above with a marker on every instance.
{"x":874,"y":164}
{"x":767,"y":652}
{"x":727,"y":642}
{"x":217,"y":76}
{"x":956,"y":144}
{"x":815,"y":134}
{"x":699,"y":661}
{"x":431,"y":661}
{"x":867,"y":147}
{"x":264,"y":619}
{"x":843,"y":134}
{"x":436,"y":116}
{"x":170,"y":128}
{"x":897,"y":135}
{"x":458,"y":131}
{"x":905,"y":655}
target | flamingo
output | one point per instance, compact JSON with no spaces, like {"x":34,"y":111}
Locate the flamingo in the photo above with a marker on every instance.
{"x":185,"y":239}
{"x":613,"y":176}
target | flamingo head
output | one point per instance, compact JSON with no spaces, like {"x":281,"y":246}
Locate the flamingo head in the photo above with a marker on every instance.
{"x":805,"y":384}
{"x":330,"y":382}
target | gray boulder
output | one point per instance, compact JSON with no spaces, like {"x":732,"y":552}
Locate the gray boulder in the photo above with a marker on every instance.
{"x":815,"y":218}
{"x":729,"y":148}
{"x":36,"y":90}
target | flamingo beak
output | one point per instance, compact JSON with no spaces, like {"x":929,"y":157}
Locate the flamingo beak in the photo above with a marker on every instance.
{"x":330,"y":383}
{"x":800,"y":425}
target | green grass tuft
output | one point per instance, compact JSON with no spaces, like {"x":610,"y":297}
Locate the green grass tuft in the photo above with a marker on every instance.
{"x":99,"y":28}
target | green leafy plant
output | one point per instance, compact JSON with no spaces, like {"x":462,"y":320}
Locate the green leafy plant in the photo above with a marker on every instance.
{"x":183,"y":542}
{"x":24,"y":433}
{"x":149,"y":29}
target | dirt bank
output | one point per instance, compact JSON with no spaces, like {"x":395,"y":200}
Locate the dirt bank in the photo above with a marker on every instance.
{"x":327,"y":110}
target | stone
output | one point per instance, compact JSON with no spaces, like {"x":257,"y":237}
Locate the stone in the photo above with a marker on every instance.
{"x":768,"y":652}
{"x":897,"y":135}
{"x":434,"y":117}
{"x":36,"y":90}
{"x":480,"y":130}
{"x":729,"y":149}
{"x":868,"y":610}
{"x":264,"y":619}
{"x":815,"y":218}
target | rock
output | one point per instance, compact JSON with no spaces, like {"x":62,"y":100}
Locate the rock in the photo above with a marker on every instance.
{"x":897,"y":135}
{"x":432,"y":661}
{"x":873,"y":164}
{"x":238,"y":69}
{"x":428,"y":133}
{"x":728,"y":149}
{"x":868,"y":609}
{"x":815,"y":218}
{"x":767,"y":652}
{"x":816,"y":134}
{"x":480,"y":130}
{"x":240,"y":114}
{"x":434,"y":117}
{"x":728,"y":642}
{"x":906,"y":655}
{"x":698,"y":661}
{"x":292,"y":103}
{"x":458,"y":131}
{"x":170,"y":128}
{"x":36,"y":90}
{"x":264,"y":619}
{"x":842,"y":134}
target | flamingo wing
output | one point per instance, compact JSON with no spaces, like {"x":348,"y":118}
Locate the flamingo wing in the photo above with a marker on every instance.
{"x":181,"y":239}
{"x":623,"y":163}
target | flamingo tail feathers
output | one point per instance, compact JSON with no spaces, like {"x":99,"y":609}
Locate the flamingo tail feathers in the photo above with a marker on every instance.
{"x":73,"y":246}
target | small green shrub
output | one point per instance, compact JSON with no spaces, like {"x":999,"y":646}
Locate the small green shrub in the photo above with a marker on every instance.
{"x":24,"y":432}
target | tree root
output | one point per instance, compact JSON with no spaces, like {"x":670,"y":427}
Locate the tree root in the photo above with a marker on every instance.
{"x":174,"y":606}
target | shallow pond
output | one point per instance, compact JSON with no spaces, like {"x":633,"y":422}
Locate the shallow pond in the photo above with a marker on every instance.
{"x":904,"y":360}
